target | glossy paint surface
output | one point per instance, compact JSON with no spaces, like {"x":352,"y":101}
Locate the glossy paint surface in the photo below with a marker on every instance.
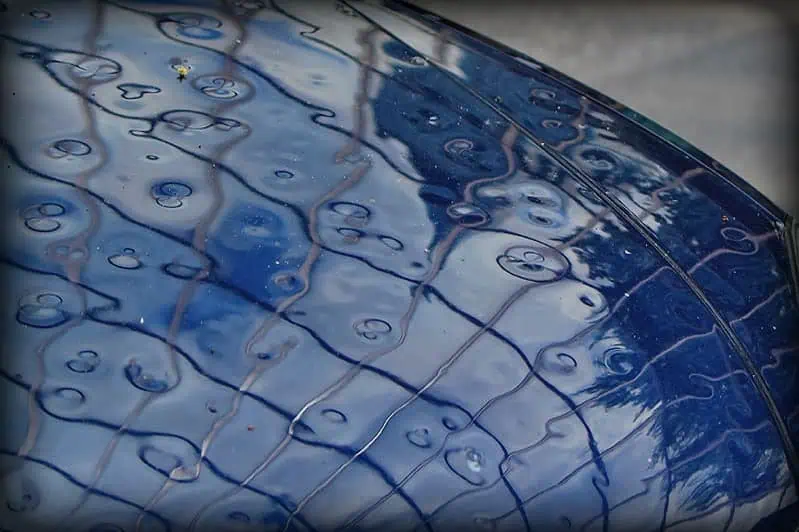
{"x":333,"y":266}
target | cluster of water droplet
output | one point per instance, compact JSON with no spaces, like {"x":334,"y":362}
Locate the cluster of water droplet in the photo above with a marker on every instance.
{"x":42,"y":310}
{"x":43,"y":218}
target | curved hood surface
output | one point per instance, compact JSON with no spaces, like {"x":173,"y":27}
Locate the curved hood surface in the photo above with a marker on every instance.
{"x":347,"y":266}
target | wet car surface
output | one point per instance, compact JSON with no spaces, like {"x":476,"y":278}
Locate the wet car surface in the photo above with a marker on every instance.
{"x":346,"y":266}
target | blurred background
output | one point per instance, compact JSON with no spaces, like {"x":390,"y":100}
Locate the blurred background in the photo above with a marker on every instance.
{"x":719,"y":74}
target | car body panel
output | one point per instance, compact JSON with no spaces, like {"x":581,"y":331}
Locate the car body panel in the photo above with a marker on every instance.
{"x":648,"y":176}
{"x":347,"y":274}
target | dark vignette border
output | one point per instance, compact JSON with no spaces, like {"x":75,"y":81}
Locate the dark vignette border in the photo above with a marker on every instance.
{"x":786,"y":10}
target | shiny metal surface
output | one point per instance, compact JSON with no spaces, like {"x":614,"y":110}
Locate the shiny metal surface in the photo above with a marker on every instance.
{"x":337,"y":266}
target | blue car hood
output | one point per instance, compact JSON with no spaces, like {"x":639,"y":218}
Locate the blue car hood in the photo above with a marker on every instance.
{"x":330,"y":265}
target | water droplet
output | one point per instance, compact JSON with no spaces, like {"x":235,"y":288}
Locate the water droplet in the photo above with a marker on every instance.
{"x":539,"y":264}
{"x":433,"y":120}
{"x":474,"y":460}
{"x":152,"y":157}
{"x":50,"y":209}
{"x":42,"y":225}
{"x":126,"y":262}
{"x":617,"y":361}
{"x":353,"y":213}
{"x":41,"y":311}
{"x":418,"y":60}
{"x":542,"y":94}
{"x":566,"y":360}
{"x":535,"y":198}
{"x":217,"y":87}
{"x":144,"y":381}
{"x":211,"y":407}
{"x":40,"y":14}
{"x":493,"y":193}
{"x":134,"y":91}
{"x":65,"y":147}
{"x":180,"y":271}
{"x":351,"y":236}
{"x":184,"y":474}
{"x":98,"y":69}
{"x":450,"y":423}
{"x":585,"y":300}
{"x":188,"y":120}
{"x":171,"y":194}
{"x":391,"y":242}
{"x":194,"y":26}
{"x":551,"y":124}
{"x":467,"y":463}
{"x":69,"y":253}
{"x":284,"y":174}
{"x":739,"y":240}
{"x":334,"y":416}
{"x":601,"y":117}
{"x":538,"y":219}
{"x":66,"y":398}
{"x":420,"y":437}
{"x":226,"y":124}
{"x":372,"y":329}
{"x":49,"y":300}
{"x":467,"y":214}
{"x":598,"y":160}
{"x":86,"y":362}
{"x":317,"y":78}
{"x":458,"y":147}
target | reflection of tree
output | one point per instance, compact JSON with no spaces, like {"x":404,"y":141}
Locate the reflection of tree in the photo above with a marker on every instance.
{"x":709,"y":426}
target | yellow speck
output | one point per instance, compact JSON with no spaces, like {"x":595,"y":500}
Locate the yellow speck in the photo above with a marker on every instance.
{"x":182,"y":70}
